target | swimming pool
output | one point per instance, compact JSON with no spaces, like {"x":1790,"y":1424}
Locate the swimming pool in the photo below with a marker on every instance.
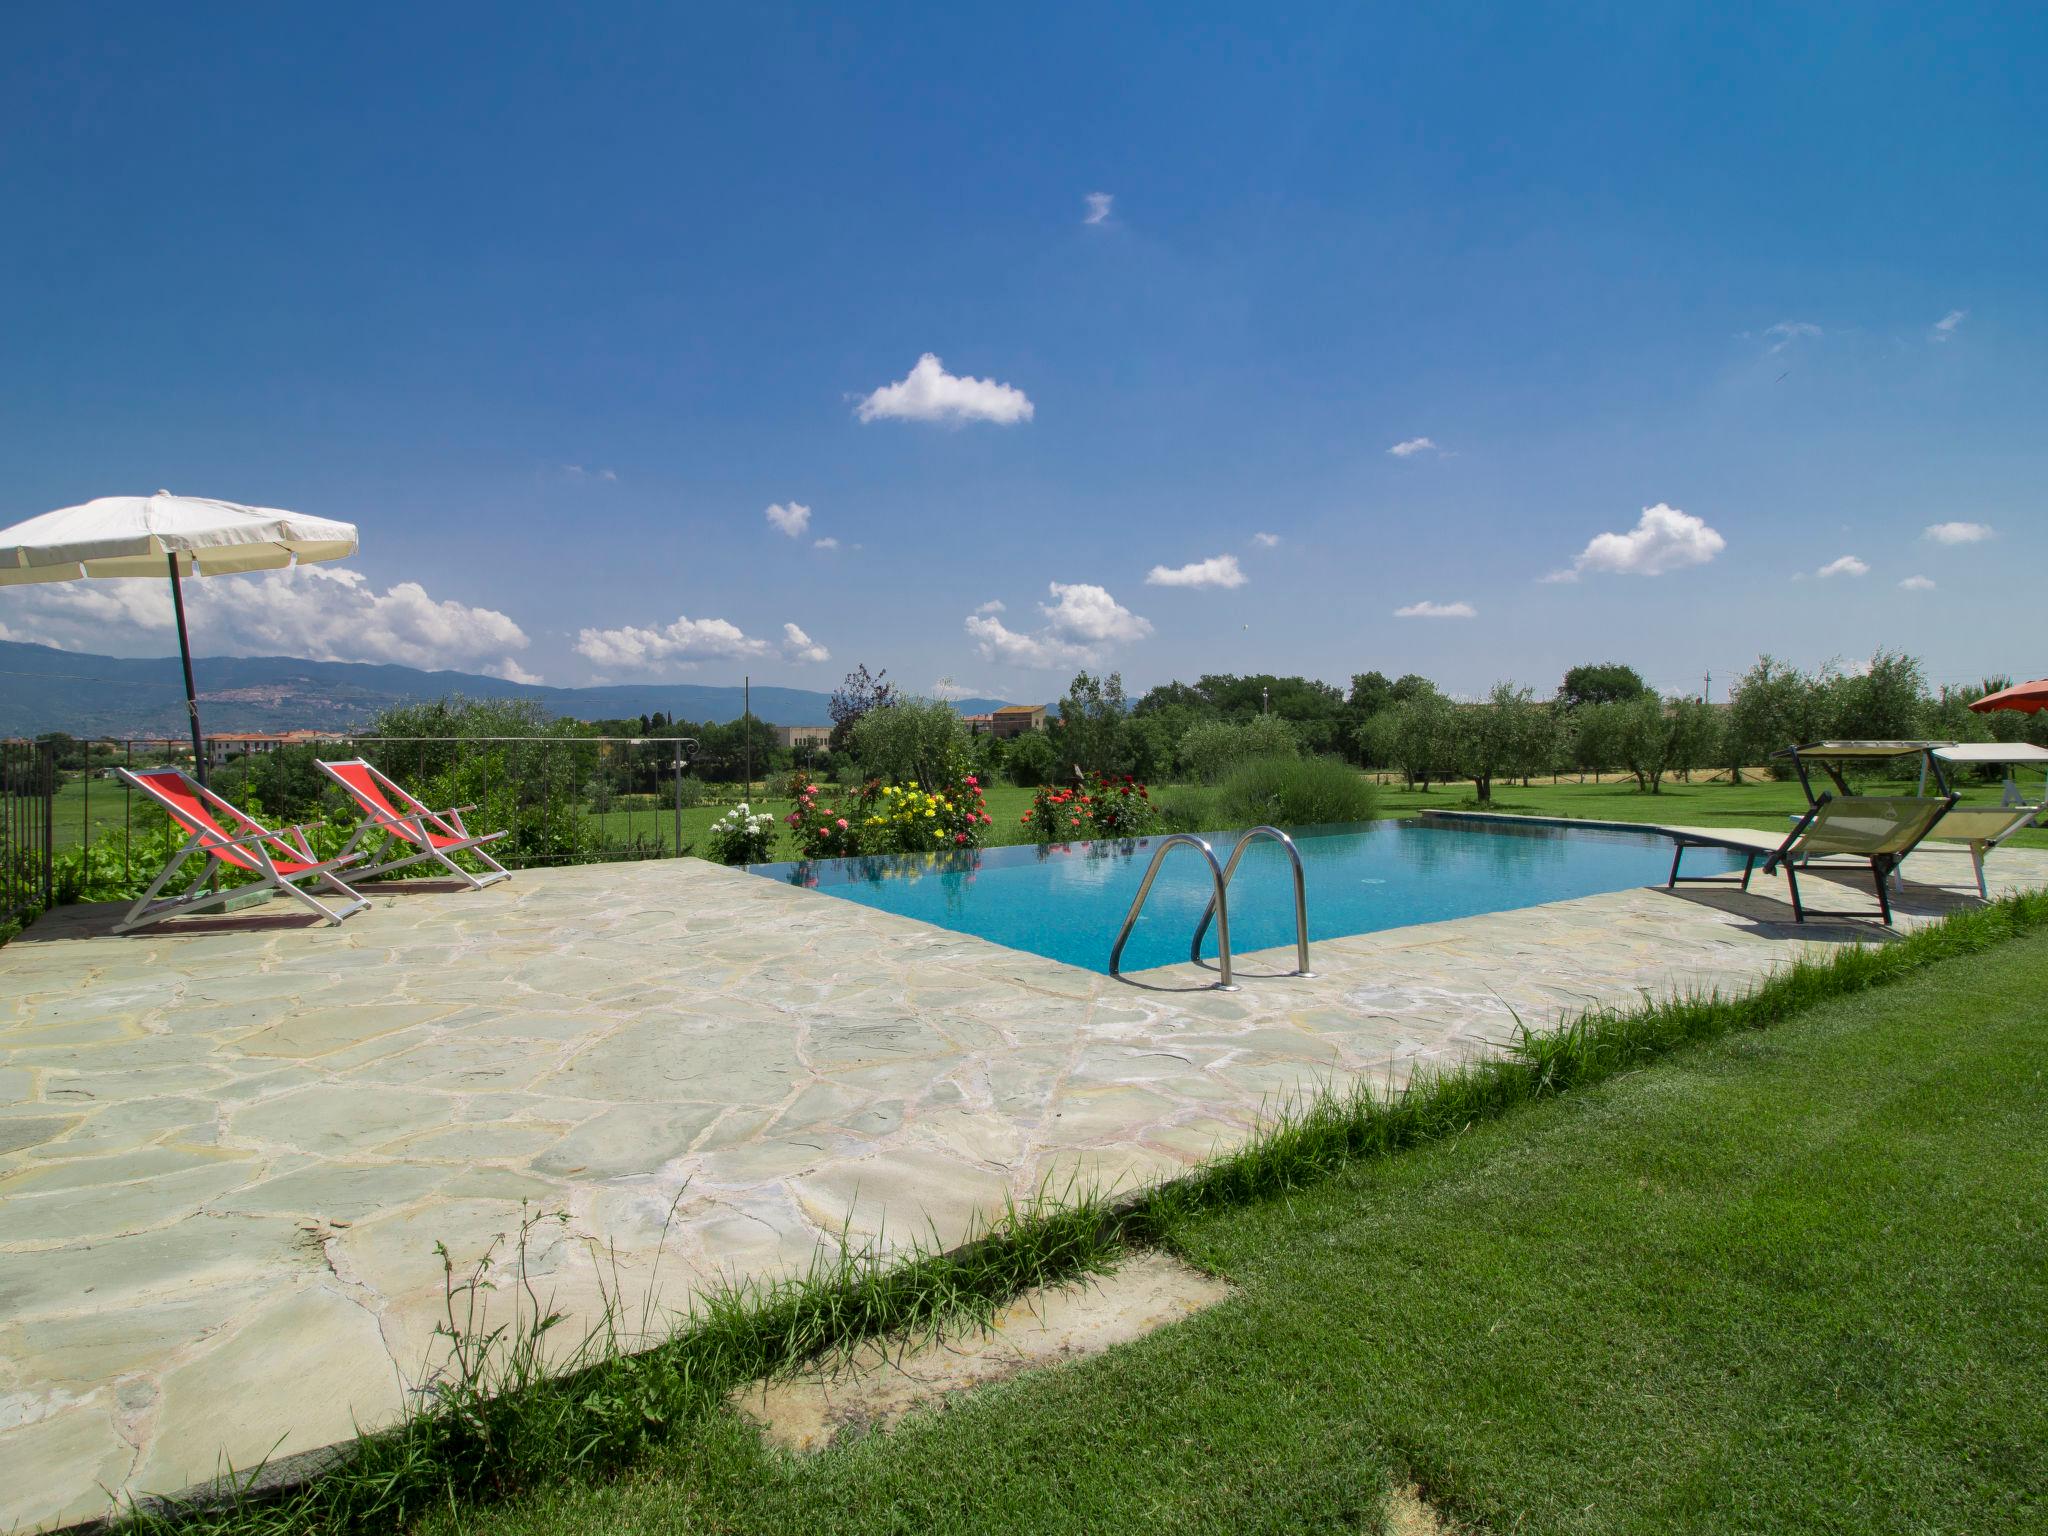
{"x":1067,"y":901}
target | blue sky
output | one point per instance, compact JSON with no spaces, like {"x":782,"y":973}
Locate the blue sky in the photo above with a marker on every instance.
{"x":557,"y":308}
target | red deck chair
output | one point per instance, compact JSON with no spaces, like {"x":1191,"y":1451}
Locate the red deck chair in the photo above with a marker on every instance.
{"x":390,"y":811}
{"x":279,"y":859}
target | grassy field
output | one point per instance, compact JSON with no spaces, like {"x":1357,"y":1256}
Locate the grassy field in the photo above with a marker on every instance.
{"x":1763,"y":804}
{"x":1790,"y":1282}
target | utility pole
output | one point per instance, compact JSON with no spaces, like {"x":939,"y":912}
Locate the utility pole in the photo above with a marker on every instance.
{"x":1707,"y":688}
{"x":747,"y":727}
{"x":1265,"y":700}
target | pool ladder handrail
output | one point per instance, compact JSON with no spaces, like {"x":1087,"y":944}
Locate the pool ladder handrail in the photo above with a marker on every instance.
{"x":1300,"y":898}
{"x":1219,"y":903}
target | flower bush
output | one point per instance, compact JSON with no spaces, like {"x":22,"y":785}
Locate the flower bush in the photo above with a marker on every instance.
{"x":1099,"y":807}
{"x":742,"y":837}
{"x":886,"y":818}
{"x":821,"y":831}
{"x":907,"y":818}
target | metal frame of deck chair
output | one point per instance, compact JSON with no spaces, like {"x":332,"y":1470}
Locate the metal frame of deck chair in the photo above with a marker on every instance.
{"x":436,"y":833}
{"x":1680,"y":841}
{"x":191,"y":805}
{"x":1880,"y":828}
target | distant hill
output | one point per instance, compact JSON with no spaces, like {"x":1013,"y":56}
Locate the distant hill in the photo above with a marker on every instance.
{"x":45,"y":689}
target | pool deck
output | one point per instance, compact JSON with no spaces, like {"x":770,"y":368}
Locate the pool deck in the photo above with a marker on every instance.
{"x":229,"y":1144}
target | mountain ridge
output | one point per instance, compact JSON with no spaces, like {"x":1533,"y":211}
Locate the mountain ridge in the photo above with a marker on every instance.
{"x":44,"y":689}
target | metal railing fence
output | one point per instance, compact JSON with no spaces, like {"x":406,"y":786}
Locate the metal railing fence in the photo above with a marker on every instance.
{"x":27,"y":794}
{"x":561,"y":799}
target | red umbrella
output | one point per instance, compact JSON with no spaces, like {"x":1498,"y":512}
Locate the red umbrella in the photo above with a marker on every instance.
{"x":2027,"y":698}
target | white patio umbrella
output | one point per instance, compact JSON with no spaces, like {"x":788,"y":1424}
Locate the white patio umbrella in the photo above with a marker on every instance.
{"x":167,"y":535}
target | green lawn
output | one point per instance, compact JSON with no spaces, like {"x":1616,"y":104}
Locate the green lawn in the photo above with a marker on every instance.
{"x":1796,"y":1281}
{"x":1762,"y":803}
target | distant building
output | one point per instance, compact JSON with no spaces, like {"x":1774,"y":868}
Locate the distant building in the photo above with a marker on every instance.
{"x":1016,"y":719}
{"x":223,"y":745}
{"x":979,"y":725}
{"x":802,"y":735}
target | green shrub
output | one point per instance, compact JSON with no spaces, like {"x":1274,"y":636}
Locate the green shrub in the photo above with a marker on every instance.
{"x":1295,"y":792}
{"x":288,"y":782}
{"x":1031,"y":760}
{"x":920,"y":741}
{"x":1186,"y":808}
{"x":524,"y":771}
{"x":1213,"y":750}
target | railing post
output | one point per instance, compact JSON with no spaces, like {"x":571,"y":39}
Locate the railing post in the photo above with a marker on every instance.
{"x":49,"y":756}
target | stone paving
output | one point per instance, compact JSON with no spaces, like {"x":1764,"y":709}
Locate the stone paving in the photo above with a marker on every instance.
{"x":228,"y":1145}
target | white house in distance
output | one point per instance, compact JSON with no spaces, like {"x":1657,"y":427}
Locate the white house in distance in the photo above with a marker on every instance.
{"x":802,"y":735}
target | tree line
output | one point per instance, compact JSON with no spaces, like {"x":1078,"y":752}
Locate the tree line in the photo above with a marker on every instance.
{"x":1602,"y":718}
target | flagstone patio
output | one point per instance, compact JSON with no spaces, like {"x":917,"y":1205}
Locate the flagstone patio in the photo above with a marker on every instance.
{"x":229,"y":1145}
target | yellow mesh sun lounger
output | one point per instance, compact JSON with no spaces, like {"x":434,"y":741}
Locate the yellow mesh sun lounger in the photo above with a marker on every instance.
{"x":1981,"y":828}
{"x":1880,"y":828}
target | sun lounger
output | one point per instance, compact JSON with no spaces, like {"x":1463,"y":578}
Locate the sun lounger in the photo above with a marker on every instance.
{"x":1881,"y":829}
{"x":389,"y":811}
{"x":1981,"y":828}
{"x":280,"y":860}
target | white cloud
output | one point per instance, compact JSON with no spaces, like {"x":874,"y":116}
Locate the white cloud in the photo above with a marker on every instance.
{"x":825,"y":543}
{"x":685,"y":641}
{"x":1663,"y":539}
{"x":1917,"y":584}
{"x":1785,"y":332}
{"x":71,"y":614}
{"x":999,"y":642}
{"x":993,"y":605}
{"x":1429,"y":610}
{"x":929,"y":393}
{"x":1216,"y":571}
{"x":332,"y":613}
{"x":1099,"y":205}
{"x":512,"y":672}
{"x":1847,"y":565}
{"x":320,"y":612}
{"x":1945,"y":327}
{"x":1958,"y":533}
{"x":1266,"y":540}
{"x":792,"y":520}
{"x":580,"y":472}
{"x":1089,"y":613}
{"x":798,"y":646}
{"x":1413,"y":446}
{"x":1080,"y":621}
{"x":946,"y":688}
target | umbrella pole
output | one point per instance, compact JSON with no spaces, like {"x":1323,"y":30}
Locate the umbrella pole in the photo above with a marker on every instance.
{"x":185,"y":655}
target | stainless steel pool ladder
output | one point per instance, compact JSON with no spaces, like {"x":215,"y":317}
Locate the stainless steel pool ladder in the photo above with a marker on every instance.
{"x":1300,"y":898}
{"x":1219,"y":901}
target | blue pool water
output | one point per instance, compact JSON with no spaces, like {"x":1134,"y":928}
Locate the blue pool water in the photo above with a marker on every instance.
{"x":1067,"y":901}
